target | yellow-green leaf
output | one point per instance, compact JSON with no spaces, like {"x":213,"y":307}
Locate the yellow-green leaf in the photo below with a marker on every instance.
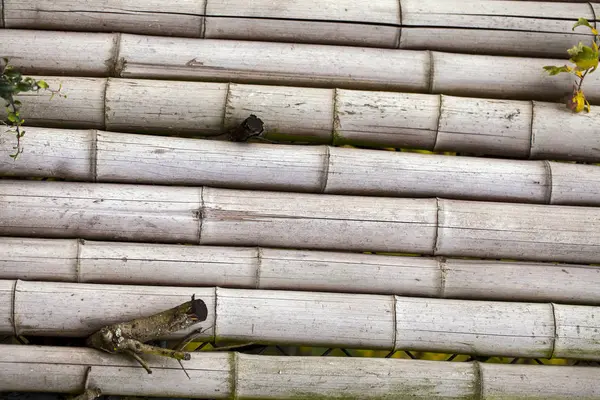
{"x":584,"y":22}
{"x":578,"y":102}
{"x":554,"y":70}
{"x":584,"y":57}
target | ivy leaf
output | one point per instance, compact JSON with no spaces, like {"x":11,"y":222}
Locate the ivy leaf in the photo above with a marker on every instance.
{"x":584,"y":57}
{"x":42,"y":84}
{"x":584,"y":22}
{"x":554,"y":70}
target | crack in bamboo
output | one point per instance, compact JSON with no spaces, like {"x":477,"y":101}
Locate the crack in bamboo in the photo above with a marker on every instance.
{"x":549,"y":181}
{"x":259,"y":260}
{"x":531,"y":130}
{"x":555,"y":336}
{"x":439,"y":121}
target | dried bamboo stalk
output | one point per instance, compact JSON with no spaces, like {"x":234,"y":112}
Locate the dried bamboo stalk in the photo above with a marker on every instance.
{"x":312,"y":221}
{"x":345,"y":22}
{"x":374,"y":119}
{"x":348,"y":67}
{"x":72,"y":260}
{"x":271,"y":377}
{"x":149,"y":17}
{"x":492,"y":27}
{"x":73,"y":53}
{"x":114,"y":157}
{"x":317,"y":319}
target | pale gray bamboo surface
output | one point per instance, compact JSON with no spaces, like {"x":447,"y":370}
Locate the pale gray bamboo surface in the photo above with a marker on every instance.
{"x":313,"y":319}
{"x":116,"y":157}
{"x":204,"y":215}
{"x":518,"y":129}
{"x":242,"y":376}
{"x":72,"y":260}
{"x":492,"y":27}
{"x":242,"y":61}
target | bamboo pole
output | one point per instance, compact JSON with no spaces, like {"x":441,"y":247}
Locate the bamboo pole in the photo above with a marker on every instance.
{"x":243,"y":376}
{"x":316,"y":319}
{"x":312,"y":221}
{"x":345,"y":22}
{"x":507,"y":27}
{"x":114,"y":157}
{"x":72,"y":53}
{"x":72,"y":260}
{"x":493,"y":27}
{"x":505,"y":128}
{"x":148,"y":17}
{"x":243,"y":61}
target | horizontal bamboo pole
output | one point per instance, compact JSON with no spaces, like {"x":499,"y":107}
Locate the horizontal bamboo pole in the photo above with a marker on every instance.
{"x":243,"y":376}
{"x":115,"y":157}
{"x":375,"y":119}
{"x":204,"y":215}
{"x":507,"y":27}
{"x":347,"y":67}
{"x":315,"y":319}
{"x":72,"y":260}
{"x":493,"y":27}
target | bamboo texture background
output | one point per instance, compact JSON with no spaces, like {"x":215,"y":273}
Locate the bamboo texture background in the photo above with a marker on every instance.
{"x":425,"y":74}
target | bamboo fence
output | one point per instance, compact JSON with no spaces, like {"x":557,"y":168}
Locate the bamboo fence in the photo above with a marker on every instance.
{"x":505,"y":128}
{"x":242,"y":61}
{"x":381,"y":322}
{"x":471,"y":26}
{"x":72,"y":260}
{"x":242,"y":376}
{"x":204,"y":215}
{"x":115,"y":157}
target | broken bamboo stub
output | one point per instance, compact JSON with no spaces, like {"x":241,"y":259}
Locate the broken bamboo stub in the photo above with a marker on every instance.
{"x":492,"y":27}
{"x":508,"y":128}
{"x":346,"y":67}
{"x":280,"y":377}
{"x":116,"y":157}
{"x":204,"y":215}
{"x":72,"y":260}
{"x":314,"y":319}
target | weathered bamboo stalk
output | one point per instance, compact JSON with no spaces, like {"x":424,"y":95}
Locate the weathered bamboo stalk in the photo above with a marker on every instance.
{"x":204,"y":215}
{"x":134,"y":56}
{"x":316,"y":319}
{"x":507,"y":27}
{"x":115,"y":157}
{"x":72,"y":260}
{"x":242,"y":376}
{"x":493,"y":27}
{"x":375,"y":119}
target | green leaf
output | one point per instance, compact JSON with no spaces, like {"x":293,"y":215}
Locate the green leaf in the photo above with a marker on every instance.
{"x":42,"y":84}
{"x":586,"y":58}
{"x":584,"y":22}
{"x":12,"y":117}
{"x":553,"y":70}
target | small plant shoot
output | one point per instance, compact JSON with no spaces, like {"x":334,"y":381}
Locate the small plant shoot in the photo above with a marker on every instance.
{"x":13,"y":83}
{"x":585,"y":59}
